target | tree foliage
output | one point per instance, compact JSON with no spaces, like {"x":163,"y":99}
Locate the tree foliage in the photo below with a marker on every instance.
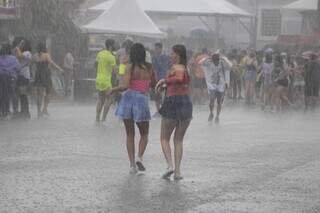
{"x":42,"y":19}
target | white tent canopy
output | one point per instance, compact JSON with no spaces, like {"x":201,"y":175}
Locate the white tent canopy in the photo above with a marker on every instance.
{"x":303,"y":5}
{"x":184,"y":7}
{"x":124,"y":17}
{"x":103,"y":6}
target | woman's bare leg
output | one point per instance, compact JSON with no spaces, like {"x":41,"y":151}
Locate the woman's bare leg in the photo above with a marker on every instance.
{"x":129,"y":125}
{"x":178,"y":145}
{"x":144,"y":137}
{"x":100,"y":103}
{"x":109,"y":100}
{"x":40,"y":94}
{"x":247,"y":91}
{"x":46,"y":101}
{"x":167,"y":127}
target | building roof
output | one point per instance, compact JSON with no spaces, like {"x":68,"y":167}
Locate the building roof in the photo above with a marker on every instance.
{"x":303,"y":5}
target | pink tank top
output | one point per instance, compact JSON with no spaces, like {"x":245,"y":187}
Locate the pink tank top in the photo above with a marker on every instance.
{"x":140,"y":85}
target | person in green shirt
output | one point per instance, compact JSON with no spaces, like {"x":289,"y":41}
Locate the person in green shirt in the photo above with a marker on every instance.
{"x":105,"y":63}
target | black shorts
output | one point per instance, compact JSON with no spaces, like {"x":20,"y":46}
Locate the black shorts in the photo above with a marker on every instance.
{"x":177,"y":108}
{"x":283,"y":82}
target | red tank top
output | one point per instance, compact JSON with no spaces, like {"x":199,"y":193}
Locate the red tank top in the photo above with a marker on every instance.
{"x":177,"y":86}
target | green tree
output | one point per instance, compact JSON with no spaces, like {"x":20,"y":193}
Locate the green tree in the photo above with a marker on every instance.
{"x":41,"y":19}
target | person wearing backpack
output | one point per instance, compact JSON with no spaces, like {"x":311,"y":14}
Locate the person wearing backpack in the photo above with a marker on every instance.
{"x":215,"y":75}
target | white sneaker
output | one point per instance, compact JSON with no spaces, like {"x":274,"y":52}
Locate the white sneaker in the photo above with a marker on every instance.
{"x":133,"y":170}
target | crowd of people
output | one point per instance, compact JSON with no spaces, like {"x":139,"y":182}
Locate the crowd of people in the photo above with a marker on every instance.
{"x":133,"y":75}
{"x":24,"y":73}
{"x":271,"y":80}
{"x":178,"y":82}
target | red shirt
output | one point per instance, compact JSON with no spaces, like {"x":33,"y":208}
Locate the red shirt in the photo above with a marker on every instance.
{"x":177,"y":82}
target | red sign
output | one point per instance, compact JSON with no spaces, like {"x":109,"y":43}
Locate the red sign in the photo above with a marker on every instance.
{"x":300,"y":39}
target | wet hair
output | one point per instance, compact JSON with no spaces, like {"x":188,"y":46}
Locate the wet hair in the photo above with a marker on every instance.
{"x":42,"y":48}
{"x":269,"y":58}
{"x":216,"y":59}
{"x":138,"y":55}
{"x":5,"y":49}
{"x":110,"y":43}
{"x":181,"y":51}
{"x":158,"y":45}
{"x":26,"y":46}
{"x":252,"y":55}
{"x":16,"y":41}
{"x":279,"y":61}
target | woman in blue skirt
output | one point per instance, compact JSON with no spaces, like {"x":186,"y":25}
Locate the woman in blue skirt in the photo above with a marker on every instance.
{"x":134,"y":105}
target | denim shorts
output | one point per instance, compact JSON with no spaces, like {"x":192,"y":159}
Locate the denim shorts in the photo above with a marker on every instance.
{"x":134,"y":106}
{"x":250,"y":75}
{"x":177,"y":108}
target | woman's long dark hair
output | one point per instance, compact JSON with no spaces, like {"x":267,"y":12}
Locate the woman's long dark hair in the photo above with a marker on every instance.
{"x":269,"y":58}
{"x":181,"y":51}
{"x":279,"y":61}
{"x":138,"y":55}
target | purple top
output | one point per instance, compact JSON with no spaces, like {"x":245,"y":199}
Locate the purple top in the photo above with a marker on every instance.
{"x":10,"y":65}
{"x":267,"y":70}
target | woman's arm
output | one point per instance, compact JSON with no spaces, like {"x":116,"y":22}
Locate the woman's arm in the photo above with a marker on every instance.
{"x":228,"y":63}
{"x":125,"y":83}
{"x":51,"y":62}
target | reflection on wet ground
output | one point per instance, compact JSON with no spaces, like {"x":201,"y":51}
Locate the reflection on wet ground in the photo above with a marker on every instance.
{"x":250,"y":162}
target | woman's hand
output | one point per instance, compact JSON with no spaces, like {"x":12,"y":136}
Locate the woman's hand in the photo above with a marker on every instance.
{"x":159,"y":86}
{"x":110,"y":92}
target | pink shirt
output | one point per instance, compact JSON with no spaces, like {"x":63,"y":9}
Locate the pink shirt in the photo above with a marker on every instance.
{"x":140,"y":85}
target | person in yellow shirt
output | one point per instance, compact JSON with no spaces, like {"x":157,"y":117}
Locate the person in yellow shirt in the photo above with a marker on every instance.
{"x":250,"y":76}
{"x":244,"y":57}
{"x":105,"y":63}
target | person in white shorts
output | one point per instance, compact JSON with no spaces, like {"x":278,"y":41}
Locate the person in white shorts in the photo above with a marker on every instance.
{"x":215,"y":75}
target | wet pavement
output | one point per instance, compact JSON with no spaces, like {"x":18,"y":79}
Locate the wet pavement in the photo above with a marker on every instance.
{"x":252,"y":162}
